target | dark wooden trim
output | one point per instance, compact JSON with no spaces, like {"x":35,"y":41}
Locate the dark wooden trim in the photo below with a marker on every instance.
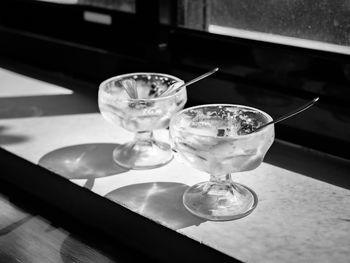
{"x":127,"y":227}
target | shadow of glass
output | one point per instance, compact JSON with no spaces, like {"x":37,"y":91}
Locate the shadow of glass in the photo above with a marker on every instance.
{"x":7,"y":139}
{"x":160,"y":201}
{"x":48,"y":105}
{"x":84,"y":161}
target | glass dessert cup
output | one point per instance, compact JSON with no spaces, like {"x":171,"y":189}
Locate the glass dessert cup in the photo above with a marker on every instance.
{"x":141,"y":116}
{"x":215,"y":139}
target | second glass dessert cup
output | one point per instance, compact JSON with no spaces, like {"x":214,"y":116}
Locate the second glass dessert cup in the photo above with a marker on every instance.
{"x":141,"y":115}
{"x":218,"y":139}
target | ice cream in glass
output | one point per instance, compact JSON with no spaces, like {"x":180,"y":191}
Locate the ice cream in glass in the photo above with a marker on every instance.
{"x":219,"y":139}
{"x":141,"y":113}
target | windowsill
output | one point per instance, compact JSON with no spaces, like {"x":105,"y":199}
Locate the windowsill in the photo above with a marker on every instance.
{"x":278,"y":39}
{"x":298,"y":218}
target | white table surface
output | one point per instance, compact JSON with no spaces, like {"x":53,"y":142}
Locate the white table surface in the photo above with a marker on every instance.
{"x":298,"y":218}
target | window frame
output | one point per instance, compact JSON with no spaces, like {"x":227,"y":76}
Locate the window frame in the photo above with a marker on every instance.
{"x":93,"y":52}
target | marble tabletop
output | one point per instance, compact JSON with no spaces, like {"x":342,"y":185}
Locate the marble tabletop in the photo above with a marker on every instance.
{"x":297,"y":219}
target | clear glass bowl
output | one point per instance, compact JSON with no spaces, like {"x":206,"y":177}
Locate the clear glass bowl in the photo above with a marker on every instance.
{"x":215,"y":139}
{"x":142,"y":115}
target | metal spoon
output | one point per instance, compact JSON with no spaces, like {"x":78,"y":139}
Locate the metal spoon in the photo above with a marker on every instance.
{"x":129,"y":86}
{"x":288,"y":115}
{"x":173,"y":89}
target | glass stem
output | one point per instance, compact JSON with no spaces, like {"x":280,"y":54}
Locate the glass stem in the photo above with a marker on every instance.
{"x":144,"y":136}
{"x":219,"y":185}
{"x":221,"y":179}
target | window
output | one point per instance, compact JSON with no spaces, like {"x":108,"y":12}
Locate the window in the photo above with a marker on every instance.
{"x":319,"y":24}
{"x":120,"y":5}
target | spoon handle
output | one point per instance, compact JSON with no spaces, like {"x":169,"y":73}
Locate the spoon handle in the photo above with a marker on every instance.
{"x":189,"y":82}
{"x":129,"y":86}
{"x":290,"y":114}
{"x":198,"y":78}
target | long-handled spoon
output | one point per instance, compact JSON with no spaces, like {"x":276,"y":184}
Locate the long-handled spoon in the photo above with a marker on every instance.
{"x":130,"y":87}
{"x":288,"y":115}
{"x":176,"y":89}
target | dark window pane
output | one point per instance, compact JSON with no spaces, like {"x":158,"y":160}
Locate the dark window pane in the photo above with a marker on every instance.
{"x":319,"y":24}
{"x":120,"y":5}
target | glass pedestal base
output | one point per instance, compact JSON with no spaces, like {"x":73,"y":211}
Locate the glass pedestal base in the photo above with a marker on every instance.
{"x":220,"y":202}
{"x":143,"y":154}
